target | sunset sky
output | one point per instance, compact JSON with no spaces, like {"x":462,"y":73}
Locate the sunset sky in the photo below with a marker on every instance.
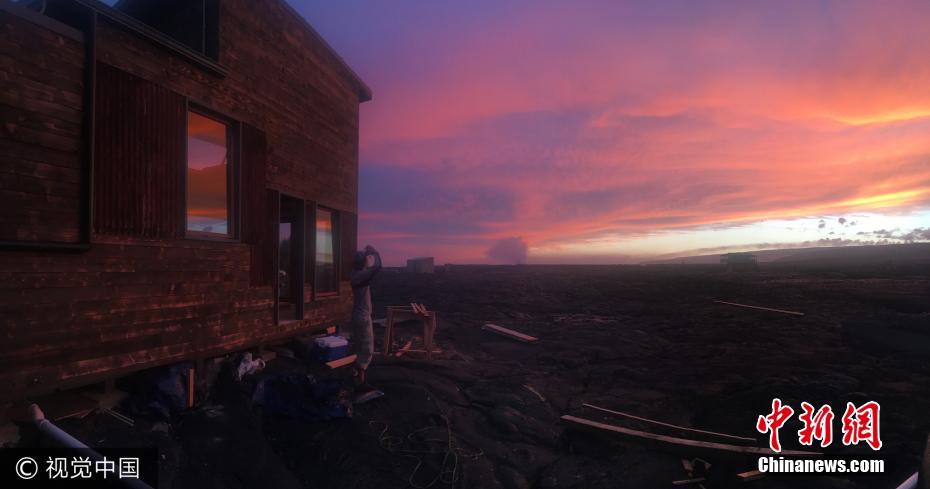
{"x":617,"y":132}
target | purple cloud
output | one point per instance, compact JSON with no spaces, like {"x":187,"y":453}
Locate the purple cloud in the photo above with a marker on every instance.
{"x":508,"y":251}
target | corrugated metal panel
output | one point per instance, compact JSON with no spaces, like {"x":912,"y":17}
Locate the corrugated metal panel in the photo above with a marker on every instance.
{"x":139,"y":157}
{"x":348,"y":231}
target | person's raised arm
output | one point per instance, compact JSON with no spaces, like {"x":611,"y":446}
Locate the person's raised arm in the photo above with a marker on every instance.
{"x":361,"y":278}
{"x":370,"y":250}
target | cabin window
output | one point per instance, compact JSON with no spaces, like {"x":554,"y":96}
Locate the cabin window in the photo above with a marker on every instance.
{"x":210,"y":182}
{"x":326,"y":278}
{"x":192,"y":23}
{"x":290,"y":258}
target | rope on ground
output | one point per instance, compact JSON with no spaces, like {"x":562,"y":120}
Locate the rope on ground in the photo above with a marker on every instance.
{"x":448,"y":446}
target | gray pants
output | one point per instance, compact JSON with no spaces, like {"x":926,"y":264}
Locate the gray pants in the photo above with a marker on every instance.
{"x":363,"y":339}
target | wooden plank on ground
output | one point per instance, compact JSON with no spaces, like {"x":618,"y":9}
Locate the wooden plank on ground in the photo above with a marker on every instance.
{"x":668,"y":425}
{"x":750,"y":475}
{"x":342,"y":362}
{"x":794,"y":313}
{"x":671,"y":440}
{"x":910,"y":482}
{"x":510,"y":333}
{"x":534,"y":391}
{"x":419,"y":350}
{"x":404,"y":349}
{"x":124,"y":419}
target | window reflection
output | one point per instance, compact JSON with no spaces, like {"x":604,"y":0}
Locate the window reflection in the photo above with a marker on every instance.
{"x":325,"y":280}
{"x":284,"y":261}
{"x":207,"y":175}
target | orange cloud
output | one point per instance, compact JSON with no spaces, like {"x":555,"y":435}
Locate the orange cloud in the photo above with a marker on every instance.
{"x":558,"y":122}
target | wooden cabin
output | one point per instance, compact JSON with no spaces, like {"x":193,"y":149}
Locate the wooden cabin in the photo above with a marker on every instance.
{"x":178,"y":180}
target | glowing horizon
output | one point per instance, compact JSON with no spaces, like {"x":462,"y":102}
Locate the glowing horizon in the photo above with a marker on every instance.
{"x":618,"y":132}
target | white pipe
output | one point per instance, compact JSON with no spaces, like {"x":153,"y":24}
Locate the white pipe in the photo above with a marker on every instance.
{"x":61,"y":437}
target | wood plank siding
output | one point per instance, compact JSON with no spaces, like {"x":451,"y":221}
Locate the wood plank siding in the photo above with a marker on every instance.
{"x":40,"y":138}
{"x":144,"y":293}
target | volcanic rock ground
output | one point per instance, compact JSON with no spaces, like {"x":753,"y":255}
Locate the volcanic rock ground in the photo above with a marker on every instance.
{"x":645,"y":340}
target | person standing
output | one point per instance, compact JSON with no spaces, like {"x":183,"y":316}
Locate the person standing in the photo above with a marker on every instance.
{"x":366,"y":266}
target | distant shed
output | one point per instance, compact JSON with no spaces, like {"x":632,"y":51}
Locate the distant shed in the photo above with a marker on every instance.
{"x":422,"y":264}
{"x":739,"y":261}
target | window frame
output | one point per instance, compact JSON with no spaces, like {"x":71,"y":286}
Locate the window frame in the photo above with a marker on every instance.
{"x":233,"y":175}
{"x":165,"y":41}
{"x":300,"y":265}
{"x":317,"y":295}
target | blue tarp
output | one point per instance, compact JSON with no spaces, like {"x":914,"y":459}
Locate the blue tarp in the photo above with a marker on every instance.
{"x":302,"y":396}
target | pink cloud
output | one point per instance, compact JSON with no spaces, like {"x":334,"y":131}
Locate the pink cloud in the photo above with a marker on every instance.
{"x":558,"y":122}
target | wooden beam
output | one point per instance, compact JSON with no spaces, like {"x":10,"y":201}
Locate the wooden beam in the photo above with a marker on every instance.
{"x":910,"y":482}
{"x":668,"y":425}
{"x":794,"y":313}
{"x":750,"y":475}
{"x":404,"y":349}
{"x":342,"y":362}
{"x":534,"y":391}
{"x":671,"y":440}
{"x":924,"y":472}
{"x":190,"y":388}
{"x":685,"y":482}
{"x":510,"y":333}
{"x":124,"y":419}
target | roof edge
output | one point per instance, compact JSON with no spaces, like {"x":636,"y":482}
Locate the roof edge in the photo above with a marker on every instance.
{"x":364,"y":92}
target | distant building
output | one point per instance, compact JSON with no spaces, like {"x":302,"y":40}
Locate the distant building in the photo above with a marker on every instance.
{"x":739,"y":261}
{"x":422,"y":264}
